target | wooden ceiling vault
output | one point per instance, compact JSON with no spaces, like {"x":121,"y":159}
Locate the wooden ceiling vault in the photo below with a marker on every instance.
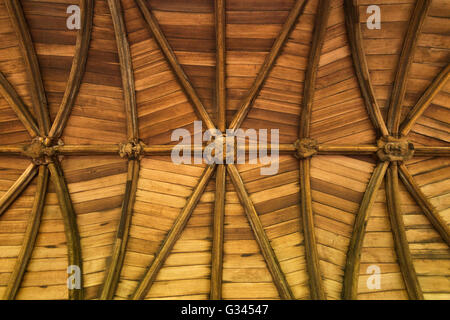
{"x":355,"y":107}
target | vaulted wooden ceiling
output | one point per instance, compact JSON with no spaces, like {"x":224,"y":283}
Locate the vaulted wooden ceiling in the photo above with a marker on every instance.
{"x":86,"y":177}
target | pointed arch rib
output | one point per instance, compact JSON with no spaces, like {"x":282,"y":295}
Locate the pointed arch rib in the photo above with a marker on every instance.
{"x":260,"y":235}
{"x":77,"y":70}
{"x":28,"y":52}
{"x":399,"y":233}
{"x":70,"y":225}
{"x":361,"y":68}
{"x":350,"y":286}
{"x":425,"y":100}
{"x":30,"y":235}
{"x":404,"y":64}
{"x":173,"y":235}
{"x":16,"y":189}
{"x":270,"y":60}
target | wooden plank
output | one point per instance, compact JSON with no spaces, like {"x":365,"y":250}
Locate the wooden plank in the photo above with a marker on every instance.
{"x":120,"y":244}
{"x":350,"y":285}
{"x":361,"y":68}
{"x":30,"y":235}
{"x":70,"y":225}
{"x":429,"y":210}
{"x":399,"y":233}
{"x":263,"y":73}
{"x":260,"y":235}
{"x":173,"y":235}
{"x":16,"y":189}
{"x":221,"y":91}
{"x":404,"y":64}
{"x":77,"y":70}
{"x":30,"y":59}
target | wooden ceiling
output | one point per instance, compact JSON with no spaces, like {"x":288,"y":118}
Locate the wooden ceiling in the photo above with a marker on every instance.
{"x":86,"y":176}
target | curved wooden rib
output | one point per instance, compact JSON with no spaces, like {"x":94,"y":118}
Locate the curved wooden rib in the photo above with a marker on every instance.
{"x":423,"y":202}
{"x":16,"y":103}
{"x":38,"y":97}
{"x":30,"y":235}
{"x":247,"y":102}
{"x":350,"y":285}
{"x":404,"y":63}
{"x":70,"y":224}
{"x":398,"y":230}
{"x":113,"y":273}
{"x":260,"y":235}
{"x":425,"y":100}
{"x":16,"y":189}
{"x":173,"y":62}
{"x":361,"y":69}
{"x":173,"y":235}
{"x":77,"y":70}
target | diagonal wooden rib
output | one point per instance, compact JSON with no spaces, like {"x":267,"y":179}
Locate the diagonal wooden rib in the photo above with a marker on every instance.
{"x":70,"y":224}
{"x":34,"y":222}
{"x":16,"y":103}
{"x":423,"y":202}
{"x":28,"y":52}
{"x":425,"y":100}
{"x":404,"y":64}
{"x":16,"y":189}
{"x":113,"y":273}
{"x":77,"y":70}
{"x":361,"y":68}
{"x":260,"y":235}
{"x":398,"y":230}
{"x":173,"y":62}
{"x":173,"y":235}
{"x":247,"y":102}
{"x":350,"y":286}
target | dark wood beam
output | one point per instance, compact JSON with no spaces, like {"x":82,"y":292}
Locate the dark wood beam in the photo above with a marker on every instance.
{"x":173,"y":235}
{"x":171,"y":58}
{"x":350,"y":285}
{"x":16,"y":189}
{"x":425,"y":100}
{"x":221,"y":92}
{"x":260,"y":235}
{"x":399,"y":233}
{"x":30,"y":236}
{"x":361,"y":68}
{"x":30,"y":59}
{"x":70,"y":224}
{"x":404,"y":64}
{"x":429,"y":210}
{"x":77,"y":70}
{"x":247,"y":102}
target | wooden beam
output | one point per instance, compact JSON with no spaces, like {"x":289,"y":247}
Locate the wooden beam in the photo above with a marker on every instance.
{"x":312,"y":257}
{"x":260,"y":235}
{"x":350,"y":285}
{"x":30,"y":59}
{"x":173,"y":235}
{"x":361,"y":68}
{"x":87,"y":149}
{"x":218,"y":232}
{"x":11,"y":149}
{"x":429,"y":210}
{"x":126,"y":69}
{"x":166,"y":49}
{"x":425,"y":151}
{"x":247,"y":102}
{"x":70,"y":224}
{"x":77,"y":70}
{"x":120,"y":244}
{"x":399,"y":233}
{"x":362,"y":149}
{"x":30,"y":236}
{"x":16,"y":103}
{"x":425,"y":100}
{"x":404,"y":64}
{"x":221,"y":92}
{"x":16,"y":189}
